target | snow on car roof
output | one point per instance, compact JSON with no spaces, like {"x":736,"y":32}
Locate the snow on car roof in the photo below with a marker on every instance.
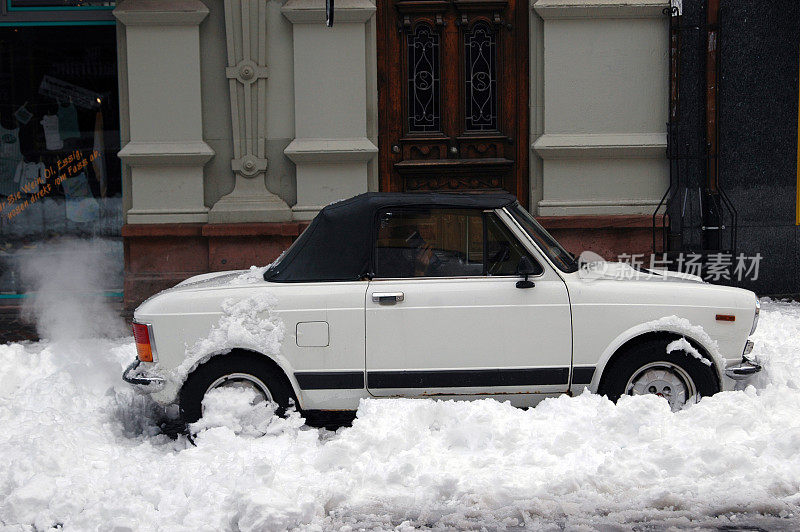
{"x":337,"y":246}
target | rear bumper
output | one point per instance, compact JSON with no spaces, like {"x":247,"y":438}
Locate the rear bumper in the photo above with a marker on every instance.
{"x":139,"y":377}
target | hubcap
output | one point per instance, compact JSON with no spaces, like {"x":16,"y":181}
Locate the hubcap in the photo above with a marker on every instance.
{"x":243,"y":380}
{"x":664,"y":379}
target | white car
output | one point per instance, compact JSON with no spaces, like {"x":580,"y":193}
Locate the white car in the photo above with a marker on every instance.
{"x":454,"y":296}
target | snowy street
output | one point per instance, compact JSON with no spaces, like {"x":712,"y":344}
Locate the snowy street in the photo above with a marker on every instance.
{"x":81,"y":451}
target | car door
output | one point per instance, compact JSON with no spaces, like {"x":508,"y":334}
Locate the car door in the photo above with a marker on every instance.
{"x":444,"y":315}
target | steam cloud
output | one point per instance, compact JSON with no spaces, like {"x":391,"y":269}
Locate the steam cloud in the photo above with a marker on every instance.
{"x":64,"y":281}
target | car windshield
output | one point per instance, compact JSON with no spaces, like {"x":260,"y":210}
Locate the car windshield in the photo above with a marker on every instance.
{"x":563,"y":259}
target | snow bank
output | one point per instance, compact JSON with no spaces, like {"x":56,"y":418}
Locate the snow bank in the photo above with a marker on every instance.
{"x":83,"y":454}
{"x":239,"y":410}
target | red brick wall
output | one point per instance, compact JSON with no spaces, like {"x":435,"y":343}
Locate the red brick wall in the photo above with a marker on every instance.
{"x":158,"y":256}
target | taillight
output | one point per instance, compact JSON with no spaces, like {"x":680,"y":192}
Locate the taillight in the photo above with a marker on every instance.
{"x":141,"y":335}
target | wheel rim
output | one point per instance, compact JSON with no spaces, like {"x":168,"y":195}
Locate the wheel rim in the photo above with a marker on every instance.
{"x":243,"y":380}
{"x":664,"y":379}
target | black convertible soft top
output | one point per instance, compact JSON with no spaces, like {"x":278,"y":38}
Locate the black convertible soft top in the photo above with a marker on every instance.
{"x":338,"y":244}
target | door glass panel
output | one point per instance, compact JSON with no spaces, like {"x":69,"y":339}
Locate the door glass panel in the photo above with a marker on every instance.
{"x":503,"y":250}
{"x":423,"y":80}
{"x":429,"y":243}
{"x":480,"y":78}
{"x":563,"y":259}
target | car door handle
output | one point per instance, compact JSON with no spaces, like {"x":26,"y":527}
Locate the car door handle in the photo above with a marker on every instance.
{"x":387,"y":297}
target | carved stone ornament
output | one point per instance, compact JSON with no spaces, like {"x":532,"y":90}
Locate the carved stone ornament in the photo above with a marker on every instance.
{"x":246,"y":39}
{"x":247,"y":74}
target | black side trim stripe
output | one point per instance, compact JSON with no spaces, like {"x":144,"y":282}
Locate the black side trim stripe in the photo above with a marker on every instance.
{"x":582,"y":375}
{"x":330,"y":380}
{"x":467,"y":378}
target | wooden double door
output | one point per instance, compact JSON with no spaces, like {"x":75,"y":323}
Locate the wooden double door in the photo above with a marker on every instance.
{"x":453,"y":82}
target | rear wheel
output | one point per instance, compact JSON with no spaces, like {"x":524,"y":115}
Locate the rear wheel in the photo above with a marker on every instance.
{"x":235,"y":370}
{"x":647,"y":368}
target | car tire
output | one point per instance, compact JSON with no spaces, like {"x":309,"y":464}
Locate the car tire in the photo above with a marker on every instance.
{"x":648,"y":368}
{"x":255,"y":370}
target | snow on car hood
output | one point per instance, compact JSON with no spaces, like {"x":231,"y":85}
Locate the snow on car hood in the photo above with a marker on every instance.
{"x":218,"y":279}
{"x":227,"y":278}
{"x":210,"y":279}
{"x":215,"y":280}
{"x":623,"y":271}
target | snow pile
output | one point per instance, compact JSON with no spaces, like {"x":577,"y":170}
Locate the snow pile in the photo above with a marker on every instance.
{"x":682,"y":344}
{"x":683,"y":326}
{"x":84,"y":455}
{"x":242,"y":411}
{"x":245,"y":323}
{"x":254,"y":275}
{"x":221,"y":279}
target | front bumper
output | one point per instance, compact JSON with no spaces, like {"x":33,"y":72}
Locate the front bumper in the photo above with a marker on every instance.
{"x":744,"y":369}
{"x":138,"y":376}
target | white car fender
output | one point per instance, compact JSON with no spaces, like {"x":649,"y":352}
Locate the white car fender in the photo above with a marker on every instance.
{"x":668,"y":324}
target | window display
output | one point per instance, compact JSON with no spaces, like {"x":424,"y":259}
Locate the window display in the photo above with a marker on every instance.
{"x":75,"y":4}
{"x":59,"y":138}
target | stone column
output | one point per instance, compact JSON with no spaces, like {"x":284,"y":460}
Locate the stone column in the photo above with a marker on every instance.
{"x":246,"y":40}
{"x":605,"y":107}
{"x":331,"y":148}
{"x":166,"y":151}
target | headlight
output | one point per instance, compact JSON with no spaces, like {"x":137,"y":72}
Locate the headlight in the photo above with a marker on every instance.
{"x":755,"y":318}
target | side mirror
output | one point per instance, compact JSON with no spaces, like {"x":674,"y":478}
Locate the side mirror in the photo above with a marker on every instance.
{"x":526,"y":268}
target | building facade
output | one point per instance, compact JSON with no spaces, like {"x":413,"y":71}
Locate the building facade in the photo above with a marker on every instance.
{"x":232,"y":122}
{"x":244,"y":117}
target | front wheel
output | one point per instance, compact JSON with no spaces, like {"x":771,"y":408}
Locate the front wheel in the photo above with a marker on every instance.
{"x":236,"y":370}
{"x":647,"y":368}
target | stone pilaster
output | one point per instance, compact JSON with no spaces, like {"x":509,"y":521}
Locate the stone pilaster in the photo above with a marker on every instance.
{"x":166,"y":151}
{"x":246,"y":41}
{"x":604,"y":69}
{"x":331,"y":147}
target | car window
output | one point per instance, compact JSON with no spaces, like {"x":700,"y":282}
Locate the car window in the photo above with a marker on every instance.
{"x":563,"y":259}
{"x":429,"y":243}
{"x":503,"y":250}
{"x":445,"y":243}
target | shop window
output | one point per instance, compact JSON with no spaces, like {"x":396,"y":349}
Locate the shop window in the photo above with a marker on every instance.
{"x":55,"y":4}
{"x":59,"y":136}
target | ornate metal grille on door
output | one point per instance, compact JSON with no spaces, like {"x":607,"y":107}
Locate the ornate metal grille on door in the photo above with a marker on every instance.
{"x":423,"y":80}
{"x":480,"y":78}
